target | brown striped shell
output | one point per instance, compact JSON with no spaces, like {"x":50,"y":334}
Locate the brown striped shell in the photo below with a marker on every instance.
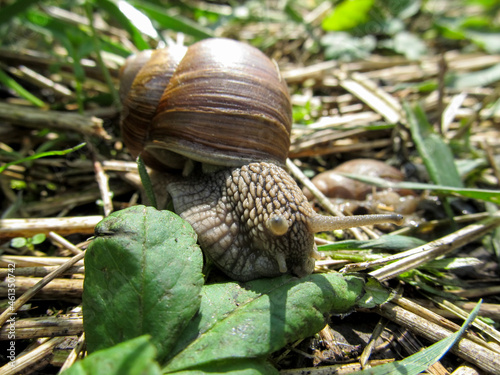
{"x":219,"y":101}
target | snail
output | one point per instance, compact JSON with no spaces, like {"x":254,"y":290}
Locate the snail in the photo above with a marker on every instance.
{"x":222,"y":104}
{"x":355,"y":196}
{"x":334,"y":185}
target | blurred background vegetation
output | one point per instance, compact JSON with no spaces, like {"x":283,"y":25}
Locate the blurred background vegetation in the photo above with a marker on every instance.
{"x":65,"y":33}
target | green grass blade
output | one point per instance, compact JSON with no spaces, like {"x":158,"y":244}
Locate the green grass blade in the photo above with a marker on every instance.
{"x":146,"y":182}
{"x":41,"y":155}
{"x":128,"y":24}
{"x":482,"y":194}
{"x":436,"y":154}
{"x":177,"y":23}
{"x":383,"y":243}
{"x":20,"y":90}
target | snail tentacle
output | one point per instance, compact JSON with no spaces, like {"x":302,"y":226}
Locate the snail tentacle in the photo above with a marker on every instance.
{"x":320,"y":223}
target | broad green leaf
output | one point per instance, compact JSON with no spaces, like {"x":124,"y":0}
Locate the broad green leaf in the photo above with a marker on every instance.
{"x":250,"y":366}
{"x":482,"y":194}
{"x":131,"y":357}
{"x":436,"y":154}
{"x":420,"y":361}
{"x":255,"y":319}
{"x":348,"y":14}
{"x":142,"y":276}
{"x":388,"y":243}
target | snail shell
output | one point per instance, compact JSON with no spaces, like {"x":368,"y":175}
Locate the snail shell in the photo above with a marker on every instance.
{"x":220,"y":102}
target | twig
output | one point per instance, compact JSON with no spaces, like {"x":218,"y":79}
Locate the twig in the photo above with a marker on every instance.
{"x":487,"y":310}
{"x":465,"y":349}
{"x":477,"y":292}
{"x":73,"y":355}
{"x":57,"y":289}
{"x":64,"y":242}
{"x":33,"y":290}
{"x":367,"y":351}
{"x":490,"y":155}
{"x":56,"y":120}
{"x":103,"y":182}
{"x":439,"y":320}
{"x":31,"y":261}
{"x":38,"y":271}
{"x":10,"y":228}
{"x":376,"y":98}
{"x":343,"y":369}
{"x":45,"y":326}
{"x":32,"y":357}
{"x":422,"y":254}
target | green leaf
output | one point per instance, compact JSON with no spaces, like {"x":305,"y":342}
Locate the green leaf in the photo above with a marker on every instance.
{"x":482,"y":194}
{"x":146,"y":182}
{"x":131,"y":357}
{"x":489,"y":41}
{"x":142,"y":276}
{"x":404,"y":8}
{"x":420,"y":361}
{"x":255,"y":319}
{"x":38,"y":238}
{"x":375,"y":294}
{"x":452,"y":263}
{"x":11,"y":83}
{"x":18,"y":242}
{"x":436,"y":154}
{"x":42,"y":155}
{"x":480,"y":78}
{"x":245,"y":366}
{"x":388,"y":243}
{"x":123,"y":18}
{"x":348,"y":14}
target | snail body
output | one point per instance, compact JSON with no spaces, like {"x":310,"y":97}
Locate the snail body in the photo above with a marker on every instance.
{"x":224,"y":105}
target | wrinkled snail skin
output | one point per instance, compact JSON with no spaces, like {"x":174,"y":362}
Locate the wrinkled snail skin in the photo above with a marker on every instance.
{"x":223,"y":104}
{"x":237,"y":212}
